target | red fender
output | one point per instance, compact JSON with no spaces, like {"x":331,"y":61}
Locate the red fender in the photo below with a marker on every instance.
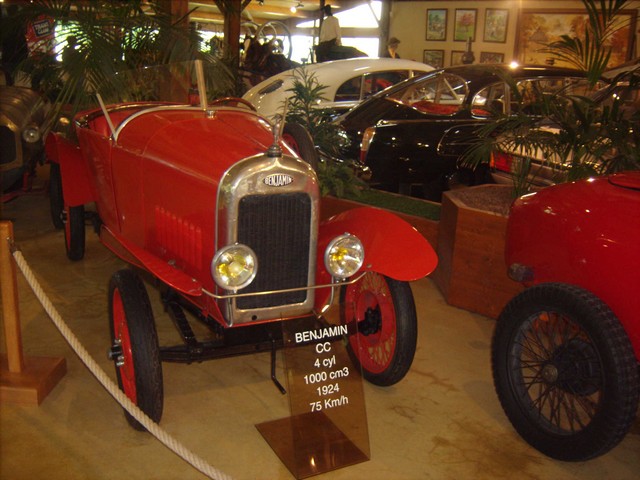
{"x":392,"y":247}
{"x":76,"y":182}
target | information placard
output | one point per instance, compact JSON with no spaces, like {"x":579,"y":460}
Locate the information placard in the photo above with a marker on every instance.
{"x":327,"y":428}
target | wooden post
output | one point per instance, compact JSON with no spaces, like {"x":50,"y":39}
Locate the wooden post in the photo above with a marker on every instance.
{"x":22,"y":380}
{"x":9,"y":287}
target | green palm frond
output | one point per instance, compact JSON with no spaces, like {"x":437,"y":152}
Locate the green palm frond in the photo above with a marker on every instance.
{"x":111,"y":37}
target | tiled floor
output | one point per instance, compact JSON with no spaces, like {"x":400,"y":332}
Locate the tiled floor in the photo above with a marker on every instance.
{"x":443,"y":421}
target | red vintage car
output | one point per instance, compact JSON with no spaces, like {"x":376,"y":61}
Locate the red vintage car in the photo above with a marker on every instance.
{"x":566,"y":350}
{"x":206,"y":198}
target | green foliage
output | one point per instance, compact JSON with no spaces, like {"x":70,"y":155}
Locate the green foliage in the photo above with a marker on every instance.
{"x":574,"y":136}
{"x":336,"y":176}
{"x":306,"y":93}
{"x":111,"y":37}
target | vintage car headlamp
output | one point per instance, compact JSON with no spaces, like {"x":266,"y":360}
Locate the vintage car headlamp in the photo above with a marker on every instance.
{"x":344,"y":256}
{"x":234,"y":267}
{"x":31,"y":134}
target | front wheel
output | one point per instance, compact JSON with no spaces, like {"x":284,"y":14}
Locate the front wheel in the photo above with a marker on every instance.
{"x":134,"y":345}
{"x":565,"y":372}
{"x":387,"y":327}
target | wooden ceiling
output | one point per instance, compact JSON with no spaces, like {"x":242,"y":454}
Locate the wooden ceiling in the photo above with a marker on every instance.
{"x":206,"y":12}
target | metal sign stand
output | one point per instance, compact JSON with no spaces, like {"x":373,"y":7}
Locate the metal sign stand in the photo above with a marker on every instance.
{"x":327,"y":428}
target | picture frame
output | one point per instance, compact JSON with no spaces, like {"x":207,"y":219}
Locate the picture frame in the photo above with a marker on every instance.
{"x":464,"y":27}
{"x":456,"y":57}
{"x":491,"y":57}
{"x":496,"y":23}
{"x":435,"y":58}
{"x":436,"y":24}
{"x":537,"y":27}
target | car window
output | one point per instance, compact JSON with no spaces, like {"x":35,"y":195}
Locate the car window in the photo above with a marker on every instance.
{"x":378,"y":81}
{"x":490,"y":100}
{"x":349,"y":90}
{"x":531,"y":89}
{"x":441,"y":94}
{"x":363,"y":86}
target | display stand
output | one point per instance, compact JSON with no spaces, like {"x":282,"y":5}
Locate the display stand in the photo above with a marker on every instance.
{"x":22,"y":380}
{"x":327,"y":428}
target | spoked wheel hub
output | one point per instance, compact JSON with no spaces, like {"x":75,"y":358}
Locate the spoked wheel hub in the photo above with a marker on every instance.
{"x":574,"y":368}
{"x":372,"y":322}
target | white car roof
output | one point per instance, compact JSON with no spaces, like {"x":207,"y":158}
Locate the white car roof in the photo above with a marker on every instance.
{"x":330,"y":74}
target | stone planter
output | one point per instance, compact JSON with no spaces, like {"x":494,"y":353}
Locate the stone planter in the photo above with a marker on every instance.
{"x":471,"y":271}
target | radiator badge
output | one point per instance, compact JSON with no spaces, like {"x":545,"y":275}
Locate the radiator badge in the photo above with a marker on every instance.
{"x":278,"y":180}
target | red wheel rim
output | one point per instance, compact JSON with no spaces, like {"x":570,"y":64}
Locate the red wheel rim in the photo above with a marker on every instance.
{"x":374,"y":351}
{"x":126,"y":371}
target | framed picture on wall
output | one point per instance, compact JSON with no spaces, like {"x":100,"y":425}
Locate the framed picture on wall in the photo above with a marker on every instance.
{"x":496,"y":21}
{"x":539,"y":27}
{"x":436,"y":24}
{"x":491,"y":57}
{"x":464,"y":27}
{"x":456,"y":57}
{"x":435,"y":58}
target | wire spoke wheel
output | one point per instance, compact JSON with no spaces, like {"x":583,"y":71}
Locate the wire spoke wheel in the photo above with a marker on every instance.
{"x":384,"y":312}
{"x":565,"y":371}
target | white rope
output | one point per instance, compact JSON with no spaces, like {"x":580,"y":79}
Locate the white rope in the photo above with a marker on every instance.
{"x":108,"y":384}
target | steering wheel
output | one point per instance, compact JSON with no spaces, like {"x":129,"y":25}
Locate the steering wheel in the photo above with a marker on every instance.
{"x":232,"y":102}
{"x":278,"y":35}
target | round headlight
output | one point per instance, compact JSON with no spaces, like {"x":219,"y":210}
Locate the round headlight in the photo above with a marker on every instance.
{"x":234,"y":267}
{"x":31,"y":134}
{"x":344,"y":256}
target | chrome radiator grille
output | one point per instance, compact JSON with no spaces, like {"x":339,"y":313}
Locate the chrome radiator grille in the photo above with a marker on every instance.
{"x":277,"y":228}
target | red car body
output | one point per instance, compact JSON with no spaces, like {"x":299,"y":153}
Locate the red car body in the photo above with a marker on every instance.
{"x":587,"y":234}
{"x":203,"y":195}
{"x":566,"y":350}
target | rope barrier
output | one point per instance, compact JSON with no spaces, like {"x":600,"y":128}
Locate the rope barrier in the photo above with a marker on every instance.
{"x":153,"y":428}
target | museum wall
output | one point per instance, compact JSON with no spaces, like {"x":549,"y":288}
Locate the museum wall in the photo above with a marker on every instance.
{"x":438,"y":31}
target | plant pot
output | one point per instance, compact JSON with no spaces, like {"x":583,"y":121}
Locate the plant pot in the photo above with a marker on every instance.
{"x":471,"y":272}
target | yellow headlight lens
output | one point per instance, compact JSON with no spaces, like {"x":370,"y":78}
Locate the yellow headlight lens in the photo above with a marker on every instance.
{"x":344,"y":256}
{"x":234,"y":267}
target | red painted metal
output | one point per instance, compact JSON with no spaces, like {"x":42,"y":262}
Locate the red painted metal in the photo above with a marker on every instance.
{"x":584,"y":233}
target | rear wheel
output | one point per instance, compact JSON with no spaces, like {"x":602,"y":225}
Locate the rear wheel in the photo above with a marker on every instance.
{"x":134,"y":345}
{"x":74,"y":231}
{"x":300,"y":141}
{"x":56,"y":201}
{"x":565,"y":372}
{"x":387,"y":331}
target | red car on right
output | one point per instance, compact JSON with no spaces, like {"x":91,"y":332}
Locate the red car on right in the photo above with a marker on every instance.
{"x":566,"y":351}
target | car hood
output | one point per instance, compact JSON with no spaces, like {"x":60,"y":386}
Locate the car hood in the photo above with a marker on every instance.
{"x":192,"y":141}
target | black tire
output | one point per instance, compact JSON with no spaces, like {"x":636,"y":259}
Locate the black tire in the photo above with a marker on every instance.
{"x":300,"y":141}
{"x":74,"y":232}
{"x":135,"y":348}
{"x":56,"y":200}
{"x":565,"y":372}
{"x":387,"y":327}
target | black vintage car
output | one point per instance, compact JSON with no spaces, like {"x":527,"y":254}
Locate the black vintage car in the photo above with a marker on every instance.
{"x":411,"y":135}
